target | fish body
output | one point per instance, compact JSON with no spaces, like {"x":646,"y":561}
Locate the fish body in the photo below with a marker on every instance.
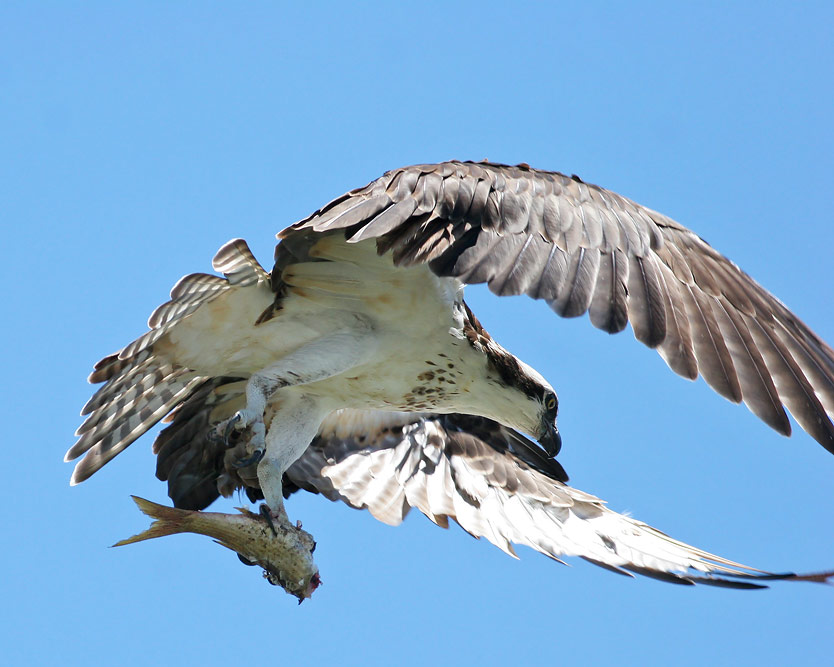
{"x":285,"y":552}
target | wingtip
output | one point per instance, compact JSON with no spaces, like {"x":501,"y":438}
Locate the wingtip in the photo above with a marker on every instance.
{"x":79,"y":473}
{"x":824,"y":577}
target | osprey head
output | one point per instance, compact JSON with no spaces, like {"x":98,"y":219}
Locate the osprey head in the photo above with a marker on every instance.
{"x":527,"y":401}
{"x":532,"y":404}
{"x":549,"y":437}
{"x":541,"y":397}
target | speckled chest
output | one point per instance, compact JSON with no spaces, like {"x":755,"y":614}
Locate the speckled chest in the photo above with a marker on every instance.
{"x":439,"y":384}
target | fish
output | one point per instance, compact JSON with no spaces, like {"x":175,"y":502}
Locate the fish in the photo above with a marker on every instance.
{"x":285,"y":552}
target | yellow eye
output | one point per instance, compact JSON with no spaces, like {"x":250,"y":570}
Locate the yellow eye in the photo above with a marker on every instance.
{"x":551,"y":403}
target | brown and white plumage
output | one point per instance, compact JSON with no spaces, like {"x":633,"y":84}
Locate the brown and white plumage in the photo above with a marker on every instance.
{"x":378,"y":274}
{"x":141,"y":386}
{"x":489,"y":479}
{"x":584,"y":249}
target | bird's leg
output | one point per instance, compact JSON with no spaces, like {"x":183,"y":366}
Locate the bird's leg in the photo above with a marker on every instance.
{"x":259,"y":390}
{"x":291,"y":431}
{"x":323,"y":358}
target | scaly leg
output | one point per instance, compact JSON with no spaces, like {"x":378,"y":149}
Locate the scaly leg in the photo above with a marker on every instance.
{"x":323,"y":358}
{"x":290,"y":432}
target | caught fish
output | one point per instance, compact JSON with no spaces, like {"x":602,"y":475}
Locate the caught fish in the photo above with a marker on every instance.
{"x":284,"y":552}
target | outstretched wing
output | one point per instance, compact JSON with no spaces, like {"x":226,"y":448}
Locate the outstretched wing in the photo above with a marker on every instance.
{"x":497,"y":485}
{"x":584,"y":249}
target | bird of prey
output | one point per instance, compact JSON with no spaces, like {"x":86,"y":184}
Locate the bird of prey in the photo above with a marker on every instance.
{"x":355,"y":369}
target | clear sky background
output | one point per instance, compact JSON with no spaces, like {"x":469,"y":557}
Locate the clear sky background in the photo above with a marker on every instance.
{"x":136,"y":139}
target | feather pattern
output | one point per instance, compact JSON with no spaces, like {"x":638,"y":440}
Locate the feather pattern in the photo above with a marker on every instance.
{"x":495,"y":485}
{"x":103,"y":444}
{"x":142,"y":384}
{"x":609,"y":306}
{"x":582,"y":248}
{"x":489,"y":479}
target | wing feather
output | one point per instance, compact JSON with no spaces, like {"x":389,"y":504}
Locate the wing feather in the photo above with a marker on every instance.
{"x":646,"y":306}
{"x":574,"y":297}
{"x":143,"y":384}
{"x":714,"y":360}
{"x":582,"y":248}
{"x":609,"y":305}
{"x":468,"y":469}
{"x":489,"y":479}
{"x":755,"y":382}
{"x":794,"y":388}
{"x":523,"y":266}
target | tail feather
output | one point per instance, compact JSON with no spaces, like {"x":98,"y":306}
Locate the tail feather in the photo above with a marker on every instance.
{"x":189,"y":291}
{"x":157,"y":387}
{"x":111,"y":366}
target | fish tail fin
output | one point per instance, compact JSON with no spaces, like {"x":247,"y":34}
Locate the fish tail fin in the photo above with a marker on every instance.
{"x":168,"y":521}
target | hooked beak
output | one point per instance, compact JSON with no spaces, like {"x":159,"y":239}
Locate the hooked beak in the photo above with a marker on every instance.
{"x":551,"y":441}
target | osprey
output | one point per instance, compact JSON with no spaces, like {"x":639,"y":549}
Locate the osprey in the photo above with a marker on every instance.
{"x":356,"y":370}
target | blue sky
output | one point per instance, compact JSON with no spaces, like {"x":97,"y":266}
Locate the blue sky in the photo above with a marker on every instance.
{"x":135,"y":140}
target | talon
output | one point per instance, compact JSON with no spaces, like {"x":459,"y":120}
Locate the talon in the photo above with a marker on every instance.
{"x":267,"y":515}
{"x":231,"y":428}
{"x":257,"y":455}
{"x":246,"y":561}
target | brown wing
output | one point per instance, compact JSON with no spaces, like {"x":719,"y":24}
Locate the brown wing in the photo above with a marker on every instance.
{"x":584,"y":249}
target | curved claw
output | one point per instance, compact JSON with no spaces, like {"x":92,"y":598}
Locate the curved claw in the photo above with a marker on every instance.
{"x":256,"y":456}
{"x":222,"y":432}
{"x":267,"y":516}
{"x":245,"y":560}
{"x":230,"y":427}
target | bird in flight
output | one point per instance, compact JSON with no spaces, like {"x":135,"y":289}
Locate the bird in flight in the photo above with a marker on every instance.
{"x":356,"y":370}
